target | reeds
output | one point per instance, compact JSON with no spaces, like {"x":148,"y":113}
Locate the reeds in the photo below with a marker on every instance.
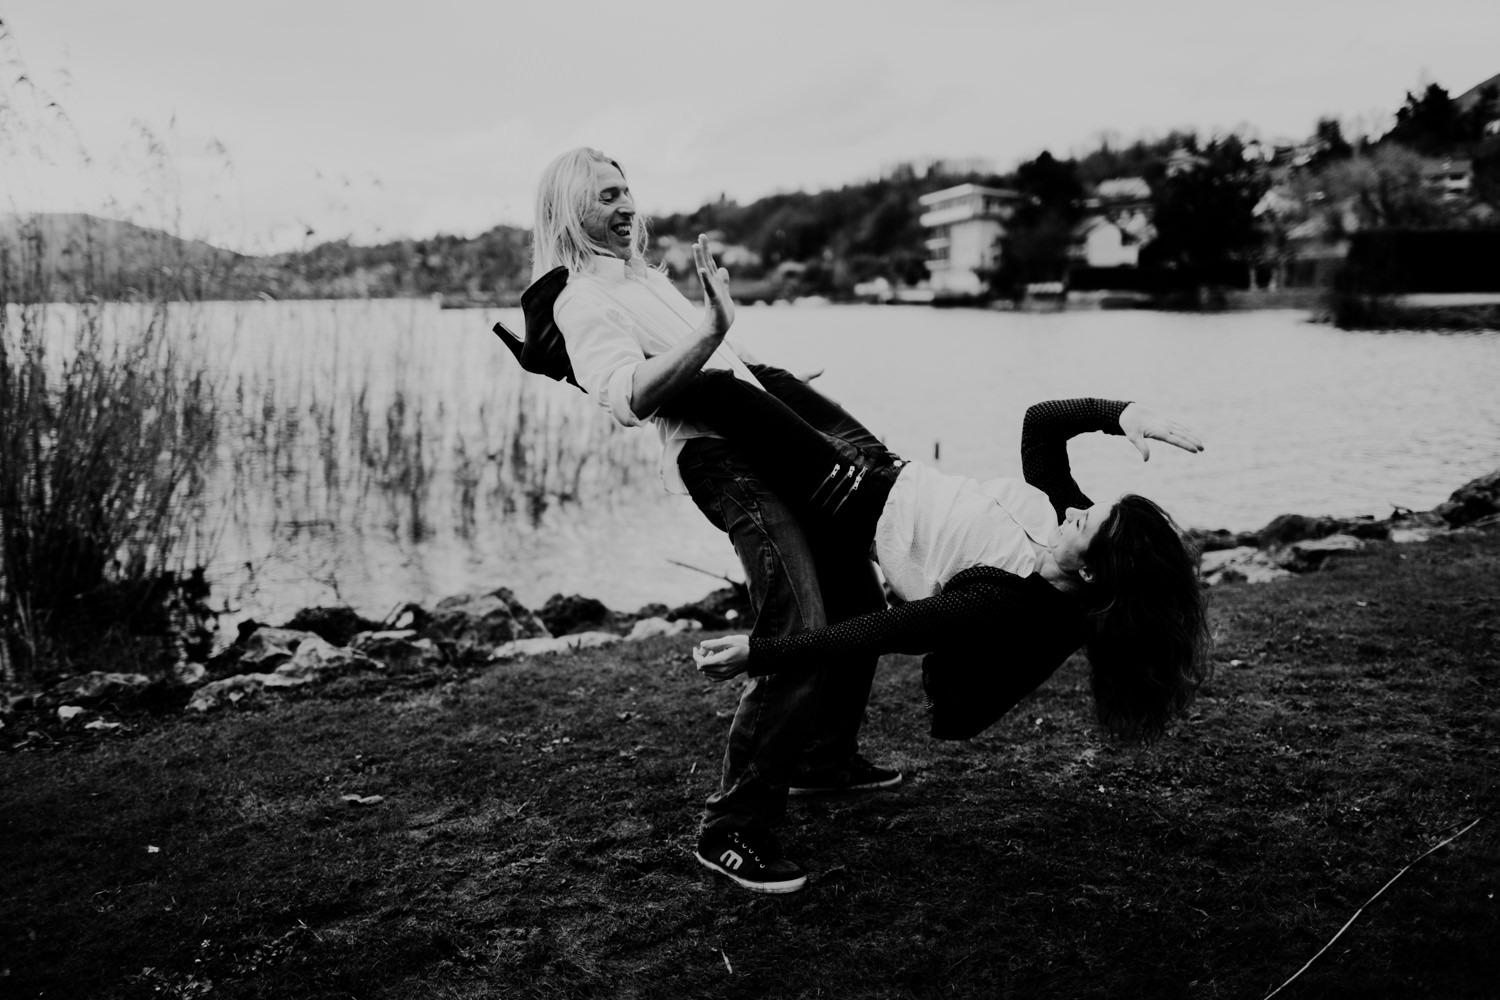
{"x":334,"y":430}
{"x":107,"y":434}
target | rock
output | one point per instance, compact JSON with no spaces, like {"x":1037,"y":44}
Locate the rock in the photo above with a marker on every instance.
{"x":1305,"y":556}
{"x":228,"y":691}
{"x":1418,"y":533}
{"x":725,"y":608}
{"x":565,"y":615}
{"x":1215,"y":541}
{"x":400,"y":651}
{"x":1290,"y":528}
{"x":1475,"y":499}
{"x":268,"y":648}
{"x":97,"y":686}
{"x":336,"y":625}
{"x":1242,"y":564}
{"x":552,"y":644}
{"x":475,"y":624}
{"x":649,"y":627}
{"x":67,"y":713}
{"x":317,"y":659}
{"x":189,"y":674}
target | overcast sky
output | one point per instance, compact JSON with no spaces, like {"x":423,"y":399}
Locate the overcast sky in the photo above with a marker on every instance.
{"x":374,"y":119}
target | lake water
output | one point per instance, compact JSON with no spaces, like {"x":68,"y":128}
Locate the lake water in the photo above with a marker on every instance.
{"x":1297,"y":417}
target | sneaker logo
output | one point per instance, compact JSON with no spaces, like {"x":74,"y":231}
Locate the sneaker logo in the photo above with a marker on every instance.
{"x":731,"y":860}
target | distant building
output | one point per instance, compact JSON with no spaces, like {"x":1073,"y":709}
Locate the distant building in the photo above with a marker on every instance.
{"x":963,"y":225}
{"x":1116,"y":225}
{"x":678,"y":254}
{"x":1450,"y":179}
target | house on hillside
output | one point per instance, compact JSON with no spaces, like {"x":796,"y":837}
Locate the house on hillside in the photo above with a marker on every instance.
{"x":964,"y":225}
{"x":1116,"y":225}
{"x":1450,"y":179}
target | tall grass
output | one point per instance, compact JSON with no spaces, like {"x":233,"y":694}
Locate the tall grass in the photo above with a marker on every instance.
{"x":107,"y":438}
{"x":366,"y":435}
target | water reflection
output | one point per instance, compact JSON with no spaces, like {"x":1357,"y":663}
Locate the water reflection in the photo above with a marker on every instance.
{"x":400,"y":441}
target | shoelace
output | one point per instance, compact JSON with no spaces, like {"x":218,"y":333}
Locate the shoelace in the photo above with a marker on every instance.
{"x":747,"y":849}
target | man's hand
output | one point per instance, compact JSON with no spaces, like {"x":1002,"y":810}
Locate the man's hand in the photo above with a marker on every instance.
{"x":722,"y":658}
{"x":1139,"y":423}
{"x":718,"y":307}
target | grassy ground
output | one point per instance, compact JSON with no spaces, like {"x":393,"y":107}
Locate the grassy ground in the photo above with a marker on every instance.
{"x":535,"y":833}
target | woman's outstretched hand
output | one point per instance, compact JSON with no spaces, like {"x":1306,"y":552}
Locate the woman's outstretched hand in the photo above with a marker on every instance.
{"x":722,"y":658}
{"x":718,"y":307}
{"x":1139,"y":424}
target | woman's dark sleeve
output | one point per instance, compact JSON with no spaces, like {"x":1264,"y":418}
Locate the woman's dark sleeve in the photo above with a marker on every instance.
{"x":1044,"y":444}
{"x":914,"y":627}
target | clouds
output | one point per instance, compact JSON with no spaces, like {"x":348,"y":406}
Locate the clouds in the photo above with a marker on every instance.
{"x":376,"y":119}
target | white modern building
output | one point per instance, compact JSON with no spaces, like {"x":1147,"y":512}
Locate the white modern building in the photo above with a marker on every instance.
{"x":963,"y":224}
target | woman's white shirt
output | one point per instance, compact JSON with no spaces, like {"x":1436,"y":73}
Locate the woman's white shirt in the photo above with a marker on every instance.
{"x":935,"y":526}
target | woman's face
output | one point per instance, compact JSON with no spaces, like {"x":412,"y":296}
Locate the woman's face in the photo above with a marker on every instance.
{"x":1076,"y":533}
{"x":609,"y":211}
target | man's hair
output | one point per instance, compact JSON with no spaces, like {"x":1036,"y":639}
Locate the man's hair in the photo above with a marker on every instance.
{"x":566,"y":188}
{"x":1149,"y":636}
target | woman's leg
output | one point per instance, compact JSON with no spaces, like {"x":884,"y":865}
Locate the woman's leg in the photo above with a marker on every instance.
{"x":831,"y":478}
{"x":816,"y":408}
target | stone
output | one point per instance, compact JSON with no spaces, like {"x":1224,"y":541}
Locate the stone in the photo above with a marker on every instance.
{"x":1305,"y":556}
{"x":99,"y":686}
{"x":575,"y":613}
{"x":228,"y":691}
{"x":1242,"y":564}
{"x":1476,"y":499}
{"x":268,"y":648}
{"x":473,"y":625}
{"x":401,"y":651}
{"x":1289,"y":528}
{"x":336,"y":625}
{"x":1214,"y":541}
{"x":725,"y":608}
{"x":537,"y":645}
{"x":189,"y":674}
{"x":316,"y":658}
{"x":649,"y":627}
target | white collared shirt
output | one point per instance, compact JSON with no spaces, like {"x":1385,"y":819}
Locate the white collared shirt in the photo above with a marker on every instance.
{"x":934,"y":526}
{"x":614,"y":317}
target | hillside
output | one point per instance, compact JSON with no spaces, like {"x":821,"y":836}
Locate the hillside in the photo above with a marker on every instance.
{"x":74,"y":255}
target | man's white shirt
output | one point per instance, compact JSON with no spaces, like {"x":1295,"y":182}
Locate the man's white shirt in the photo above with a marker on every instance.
{"x":615,"y":316}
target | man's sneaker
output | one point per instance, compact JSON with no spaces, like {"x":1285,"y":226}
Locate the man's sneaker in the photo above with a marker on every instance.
{"x":855,"y":775}
{"x":751,"y":858}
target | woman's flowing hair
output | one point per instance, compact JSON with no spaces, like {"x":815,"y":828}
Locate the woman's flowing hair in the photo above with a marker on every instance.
{"x":1148,"y":645}
{"x":566,"y":188}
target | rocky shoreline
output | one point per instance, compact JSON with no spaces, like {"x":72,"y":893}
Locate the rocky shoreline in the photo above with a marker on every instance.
{"x":320,"y":647}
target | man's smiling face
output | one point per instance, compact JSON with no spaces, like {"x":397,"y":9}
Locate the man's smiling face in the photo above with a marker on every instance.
{"x":609,"y":212}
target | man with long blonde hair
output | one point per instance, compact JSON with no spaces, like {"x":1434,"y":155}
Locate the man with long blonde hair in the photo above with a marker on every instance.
{"x":634,"y":341}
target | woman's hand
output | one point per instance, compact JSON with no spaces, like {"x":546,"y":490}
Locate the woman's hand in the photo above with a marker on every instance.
{"x":718,"y":307}
{"x":722,"y":658}
{"x":1139,"y":424}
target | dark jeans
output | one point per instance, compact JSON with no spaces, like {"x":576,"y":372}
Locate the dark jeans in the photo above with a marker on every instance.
{"x":798,"y":578}
{"x":833,"y":471}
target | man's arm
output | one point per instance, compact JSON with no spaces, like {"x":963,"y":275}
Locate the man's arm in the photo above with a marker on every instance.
{"x":607,"y":356}
{"x":658,"y":379}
